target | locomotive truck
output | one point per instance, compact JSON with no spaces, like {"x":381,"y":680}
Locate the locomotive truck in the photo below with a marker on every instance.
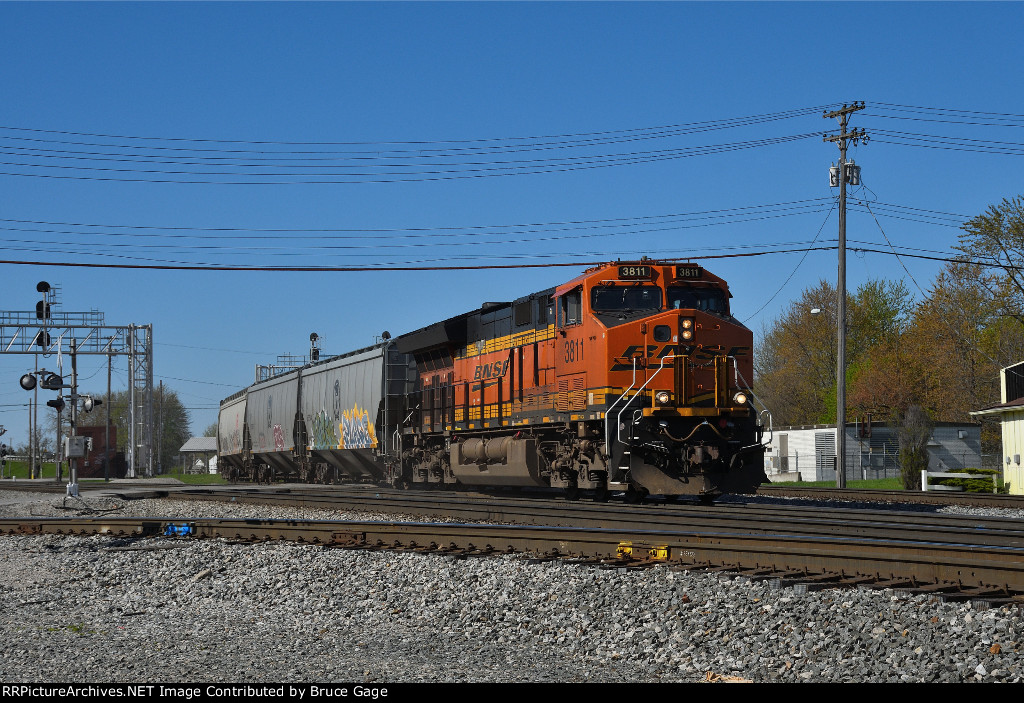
{"x":631,"y":377}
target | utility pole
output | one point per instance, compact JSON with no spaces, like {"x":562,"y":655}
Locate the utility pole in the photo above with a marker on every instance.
{"x":106,"y":431}
{"x":33,"y":429}
{"x":844,"y":173}
{"x":160,"y":433}
{"x":73,"y":455}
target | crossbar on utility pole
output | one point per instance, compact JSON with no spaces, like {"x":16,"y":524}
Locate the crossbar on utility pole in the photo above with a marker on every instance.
{"x":856,"y":136}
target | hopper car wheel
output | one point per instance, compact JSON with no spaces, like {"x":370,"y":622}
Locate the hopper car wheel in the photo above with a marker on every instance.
{"x":601,"y":495}
{"x":572,"y":493}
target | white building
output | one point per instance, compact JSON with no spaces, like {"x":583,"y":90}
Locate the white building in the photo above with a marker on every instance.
{"x":808,"y":452}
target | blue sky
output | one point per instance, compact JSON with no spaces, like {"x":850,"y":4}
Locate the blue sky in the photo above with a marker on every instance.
{"x":380,"y":88}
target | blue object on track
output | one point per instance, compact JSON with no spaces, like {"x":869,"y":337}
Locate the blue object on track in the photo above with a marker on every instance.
{"x":183,"y":530}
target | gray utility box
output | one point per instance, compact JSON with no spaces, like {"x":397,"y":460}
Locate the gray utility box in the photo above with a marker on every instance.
{"x":76,"y":447}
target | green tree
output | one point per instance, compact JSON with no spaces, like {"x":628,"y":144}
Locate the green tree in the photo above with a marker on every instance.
{"x":960,"y":338}
{"x":881,"y":378}
{"x":796,"y":353}
{"x":795,"y":358}
{"x":211,"y":430}
{"x":170,"y":417}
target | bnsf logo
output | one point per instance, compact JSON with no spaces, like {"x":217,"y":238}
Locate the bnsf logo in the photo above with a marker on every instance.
{"x":496,"y":370}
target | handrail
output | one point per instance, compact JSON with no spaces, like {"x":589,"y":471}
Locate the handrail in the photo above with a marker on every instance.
{"x":771,"y":428}
{"x":641,"y":389}
{"x":608,"y":414}
{"x":753,"y":398}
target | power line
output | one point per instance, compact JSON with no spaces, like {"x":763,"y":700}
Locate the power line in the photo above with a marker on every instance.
{"x":896,"y":107}
{"x":412,"y":173}
{"x":217,"y":349}
{"x":353,"y":269}
{"x":793,"y":272}
{"x":926,"y":296}
{"x":419,"y":153}
{"x":291,"y":248}
{"x":484,"y":267}
{"x":89,"y":243}
{"x":742,"y":121}
{"x":376,"y":232}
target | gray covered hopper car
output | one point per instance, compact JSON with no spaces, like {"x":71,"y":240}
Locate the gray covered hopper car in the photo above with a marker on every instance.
{"x":321,"y":423}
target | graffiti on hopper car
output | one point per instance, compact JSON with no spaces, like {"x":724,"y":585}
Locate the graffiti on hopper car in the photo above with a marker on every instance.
{"x":324,"y":432}
{"x":357,"y":432}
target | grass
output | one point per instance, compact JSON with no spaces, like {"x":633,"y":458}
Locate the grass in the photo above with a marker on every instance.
{"x":20,"y":470}
{"x":196,"y":479}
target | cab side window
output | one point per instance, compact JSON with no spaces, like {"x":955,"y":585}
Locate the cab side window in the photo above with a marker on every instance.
{"x":570,"y":308}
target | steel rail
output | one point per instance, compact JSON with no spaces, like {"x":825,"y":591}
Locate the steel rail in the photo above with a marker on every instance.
{"x":994,"y":571}
{"x":729,"y":517}
{"x":732,"y":517}
{"x":816,"y":493}
{"x":986,"y":500}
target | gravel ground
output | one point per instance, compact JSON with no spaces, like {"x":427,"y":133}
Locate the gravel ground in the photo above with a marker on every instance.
{"x":103,"y":610}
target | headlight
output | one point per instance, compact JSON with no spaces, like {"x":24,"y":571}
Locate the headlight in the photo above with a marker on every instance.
{"x":686,"y":328}
{"x":740,"y":398}
{"x":662,"y":397}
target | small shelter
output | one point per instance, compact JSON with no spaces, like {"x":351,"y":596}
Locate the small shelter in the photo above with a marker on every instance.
{"x":200,"y":455}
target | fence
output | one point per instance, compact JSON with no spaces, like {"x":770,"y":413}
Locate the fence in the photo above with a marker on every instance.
{"x":867,"y":465}
{"x":925,"y":475}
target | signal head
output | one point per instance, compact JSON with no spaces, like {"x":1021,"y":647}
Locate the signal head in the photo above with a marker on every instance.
{"x":53,"y":382}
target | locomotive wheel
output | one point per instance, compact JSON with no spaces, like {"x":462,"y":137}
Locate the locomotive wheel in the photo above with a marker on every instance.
{"x":635,"y":495}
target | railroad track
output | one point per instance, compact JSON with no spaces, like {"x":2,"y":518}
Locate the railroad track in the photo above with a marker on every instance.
{"x":980,"y":500}
{"x":956,"y":557}
{"x":163,"y":490}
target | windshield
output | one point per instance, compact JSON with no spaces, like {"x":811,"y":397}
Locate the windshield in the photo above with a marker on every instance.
{"x":626,"y":298}
{"x":709,"y":299}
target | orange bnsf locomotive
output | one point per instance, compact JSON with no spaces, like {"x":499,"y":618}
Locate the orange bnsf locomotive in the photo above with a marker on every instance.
{"x":631,"y":377}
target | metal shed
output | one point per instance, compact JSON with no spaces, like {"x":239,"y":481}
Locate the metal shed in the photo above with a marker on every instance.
{"x":200,"y":455}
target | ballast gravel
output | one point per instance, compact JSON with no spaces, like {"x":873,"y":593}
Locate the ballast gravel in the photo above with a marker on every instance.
{"x":103,"y":609}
